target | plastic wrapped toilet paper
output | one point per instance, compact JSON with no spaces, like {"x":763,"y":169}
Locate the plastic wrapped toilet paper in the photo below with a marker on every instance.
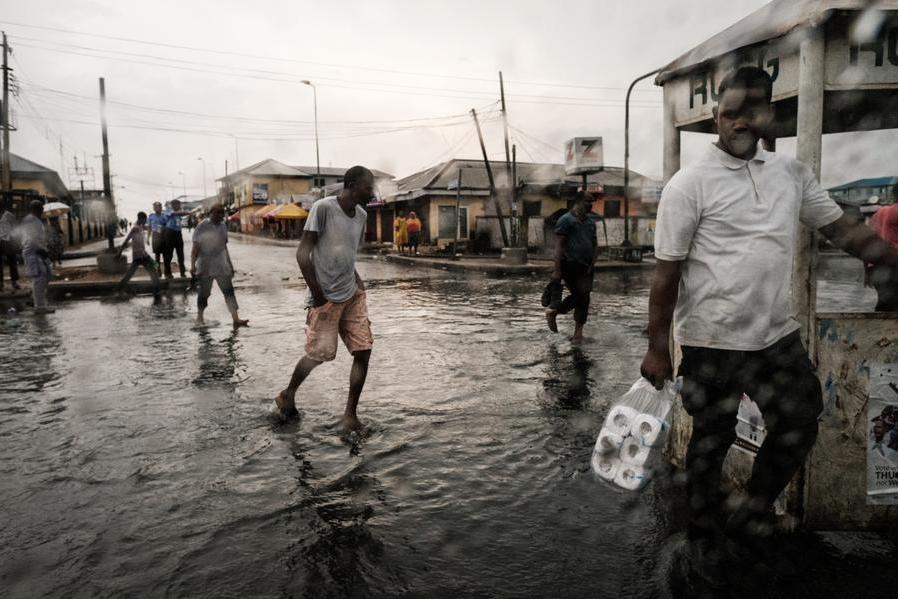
{"x":608,"y":442}
{"x":648,"y":429}
{"x":605,"y":465}
{"x":620,"y":419}
{"x":634,"y":452}
{"x":632,"y":477}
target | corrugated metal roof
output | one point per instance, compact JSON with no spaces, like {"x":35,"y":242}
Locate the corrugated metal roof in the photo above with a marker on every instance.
{"x":444,"y":175}
{"x":339,"y":171}
{"x":861,"y":183}
{"x":775,"y":20}
{"x":18,"y":164}
{"x":268,"y":167}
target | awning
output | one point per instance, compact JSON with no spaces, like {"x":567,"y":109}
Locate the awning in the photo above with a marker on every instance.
{"x":264,"y":211}
{"x":290,"y":212}
{"x":234,"y":217}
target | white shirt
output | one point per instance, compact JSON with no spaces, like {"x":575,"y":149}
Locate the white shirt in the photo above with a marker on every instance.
{"x":33,"y":234}
{"x":7,"y":224}
{"x":734,"y":223}
{"x":212,"y":260}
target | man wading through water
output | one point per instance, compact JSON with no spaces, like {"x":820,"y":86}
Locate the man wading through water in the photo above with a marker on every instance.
{"x":576,"y":250}
{"x":336,"y":304}
{"x":724,"y":245}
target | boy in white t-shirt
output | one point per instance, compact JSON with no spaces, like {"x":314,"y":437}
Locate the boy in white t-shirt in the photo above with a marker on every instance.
{"x":139,"y":256}
{"x":724,"y":243}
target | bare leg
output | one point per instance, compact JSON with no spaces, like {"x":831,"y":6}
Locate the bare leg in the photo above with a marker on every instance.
{"x":578,"y":333}
{"x":357,"y":377}
{"x":286,"y":399}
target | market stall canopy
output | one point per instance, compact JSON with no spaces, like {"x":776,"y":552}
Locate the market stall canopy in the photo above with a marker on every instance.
{"x":234,"y":217}
{"x":290,"y":212}
{"x":860,"y":64}
{"x":264,"y":211}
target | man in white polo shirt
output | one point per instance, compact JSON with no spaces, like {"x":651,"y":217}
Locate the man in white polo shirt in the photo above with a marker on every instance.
{"x":725,"y":240}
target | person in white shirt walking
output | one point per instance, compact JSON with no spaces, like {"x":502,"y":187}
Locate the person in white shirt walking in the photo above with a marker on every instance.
{"x":33,"y":234}
{"x":211,"y":263}
{"x":337,"y":304}
{"x":724,"y":243}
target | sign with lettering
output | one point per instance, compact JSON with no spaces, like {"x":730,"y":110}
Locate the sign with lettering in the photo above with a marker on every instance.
{"x":882,"y":435}
{"x":583,"y":155}
{"x":851,"y":64}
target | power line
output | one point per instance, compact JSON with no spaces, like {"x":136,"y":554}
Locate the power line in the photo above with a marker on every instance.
{"x":284,"y":77}
{"x":296,"y":61}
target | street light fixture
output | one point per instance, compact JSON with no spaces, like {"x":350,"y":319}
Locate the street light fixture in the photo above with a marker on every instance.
{"x":204,"y":175}
{"x":315,"y":106}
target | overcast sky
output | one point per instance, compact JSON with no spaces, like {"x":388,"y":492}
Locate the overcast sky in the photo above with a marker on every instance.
{"x":221,"y":81}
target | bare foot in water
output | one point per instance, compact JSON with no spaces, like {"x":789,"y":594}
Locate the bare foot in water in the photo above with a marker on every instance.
{"x":577,"y":340}
{"x":287,"y":406}
{"x":240,"y":323}
{"x":551,"y":316}
{"x":351,"y":423}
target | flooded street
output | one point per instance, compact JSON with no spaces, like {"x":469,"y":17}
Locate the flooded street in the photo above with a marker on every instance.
{"x":142,"y":458}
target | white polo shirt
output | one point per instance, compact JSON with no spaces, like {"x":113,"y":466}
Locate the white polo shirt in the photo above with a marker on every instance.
{"x":734,"y":223}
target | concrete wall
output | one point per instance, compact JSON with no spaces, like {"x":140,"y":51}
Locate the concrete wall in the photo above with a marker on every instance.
{"x":278,"y":188}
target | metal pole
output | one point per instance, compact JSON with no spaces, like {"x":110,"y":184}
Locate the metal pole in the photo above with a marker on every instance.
{"x":315,"y":108}
{"x":107,"y":179}
{"x":808,"y":150}
{"x":489,"y":174}
{"x":627,"y":156}
{"x":7,"y":170}
{"x":204,"y":176}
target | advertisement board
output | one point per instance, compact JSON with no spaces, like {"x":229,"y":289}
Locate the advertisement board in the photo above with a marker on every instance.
{"x":583,"y":155}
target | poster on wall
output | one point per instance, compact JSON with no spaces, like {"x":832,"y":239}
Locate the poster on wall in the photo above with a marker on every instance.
{"x":882,"y":435}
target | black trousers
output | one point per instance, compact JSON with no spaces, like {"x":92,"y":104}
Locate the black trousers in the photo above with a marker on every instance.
{"x":781,"y":380}
{"x":172,"y":242}
{"x":8,"y":255}
{"x":579,"y":279}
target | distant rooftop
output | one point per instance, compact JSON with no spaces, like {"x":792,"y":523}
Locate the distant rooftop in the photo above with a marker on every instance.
{"x":865,"y":183}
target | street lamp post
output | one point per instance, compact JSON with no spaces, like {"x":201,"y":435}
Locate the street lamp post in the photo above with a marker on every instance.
{"x":183,"y":183}
{"x":315,"y":106}
{"x":204,"y":176}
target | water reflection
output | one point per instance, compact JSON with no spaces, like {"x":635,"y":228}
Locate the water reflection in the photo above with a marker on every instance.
{"x":217,"y":361}
{"x":568,"y":381}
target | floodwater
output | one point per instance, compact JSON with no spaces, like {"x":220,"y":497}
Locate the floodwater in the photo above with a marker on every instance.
{"x":141,"y":457}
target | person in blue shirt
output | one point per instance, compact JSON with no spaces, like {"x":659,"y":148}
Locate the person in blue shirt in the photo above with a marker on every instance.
{"x":173,"y":242}
{"x":576,"y":249}
{"x":156,"y":222}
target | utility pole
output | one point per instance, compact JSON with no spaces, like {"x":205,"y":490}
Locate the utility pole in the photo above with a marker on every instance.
{"x":6,"y":182}
{"x":508,"y":176}
{"x":457,"y":214}
{"x":107,"y":180}
{"x":489,"y":174}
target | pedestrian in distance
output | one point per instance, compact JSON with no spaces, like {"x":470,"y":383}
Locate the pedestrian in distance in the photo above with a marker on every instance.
{"x":336,"y":304}
{"x":400,"y":231}
{"x":156,"y":222}
{"x":883,"y":279}
{"x":210,"y":262}
{"x":173,"y":241}
{"x":724,"y":243}
{"x":576,"y":250}
{"x":413,"y":226}
{"x":139,"y":255}
{"x":55,"y":244}
{"x":8,"y":247}
{"x":33,"y":235}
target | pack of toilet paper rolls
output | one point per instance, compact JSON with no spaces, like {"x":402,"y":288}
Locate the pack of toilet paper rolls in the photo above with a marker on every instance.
{"x":630,"y":444}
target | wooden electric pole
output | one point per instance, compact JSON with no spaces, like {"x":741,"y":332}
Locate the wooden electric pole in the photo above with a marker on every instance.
{"x":107,"y":179}
{"x":508,"y":175}
{"x":489,"y":174}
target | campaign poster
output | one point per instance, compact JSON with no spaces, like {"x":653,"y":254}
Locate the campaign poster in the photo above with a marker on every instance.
{"x":882,"y":435}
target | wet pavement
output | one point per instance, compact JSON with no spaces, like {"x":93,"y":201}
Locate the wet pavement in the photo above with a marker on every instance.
{"x":141,"y":457}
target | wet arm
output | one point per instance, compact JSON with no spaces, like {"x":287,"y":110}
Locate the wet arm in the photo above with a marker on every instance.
{"x":560,"y":242}
{"x":657,"y":365}
{"x":125,"y":242}
{"x":860,"y":241}
{"x":304,"y":259}
{"x":194,"y":254}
